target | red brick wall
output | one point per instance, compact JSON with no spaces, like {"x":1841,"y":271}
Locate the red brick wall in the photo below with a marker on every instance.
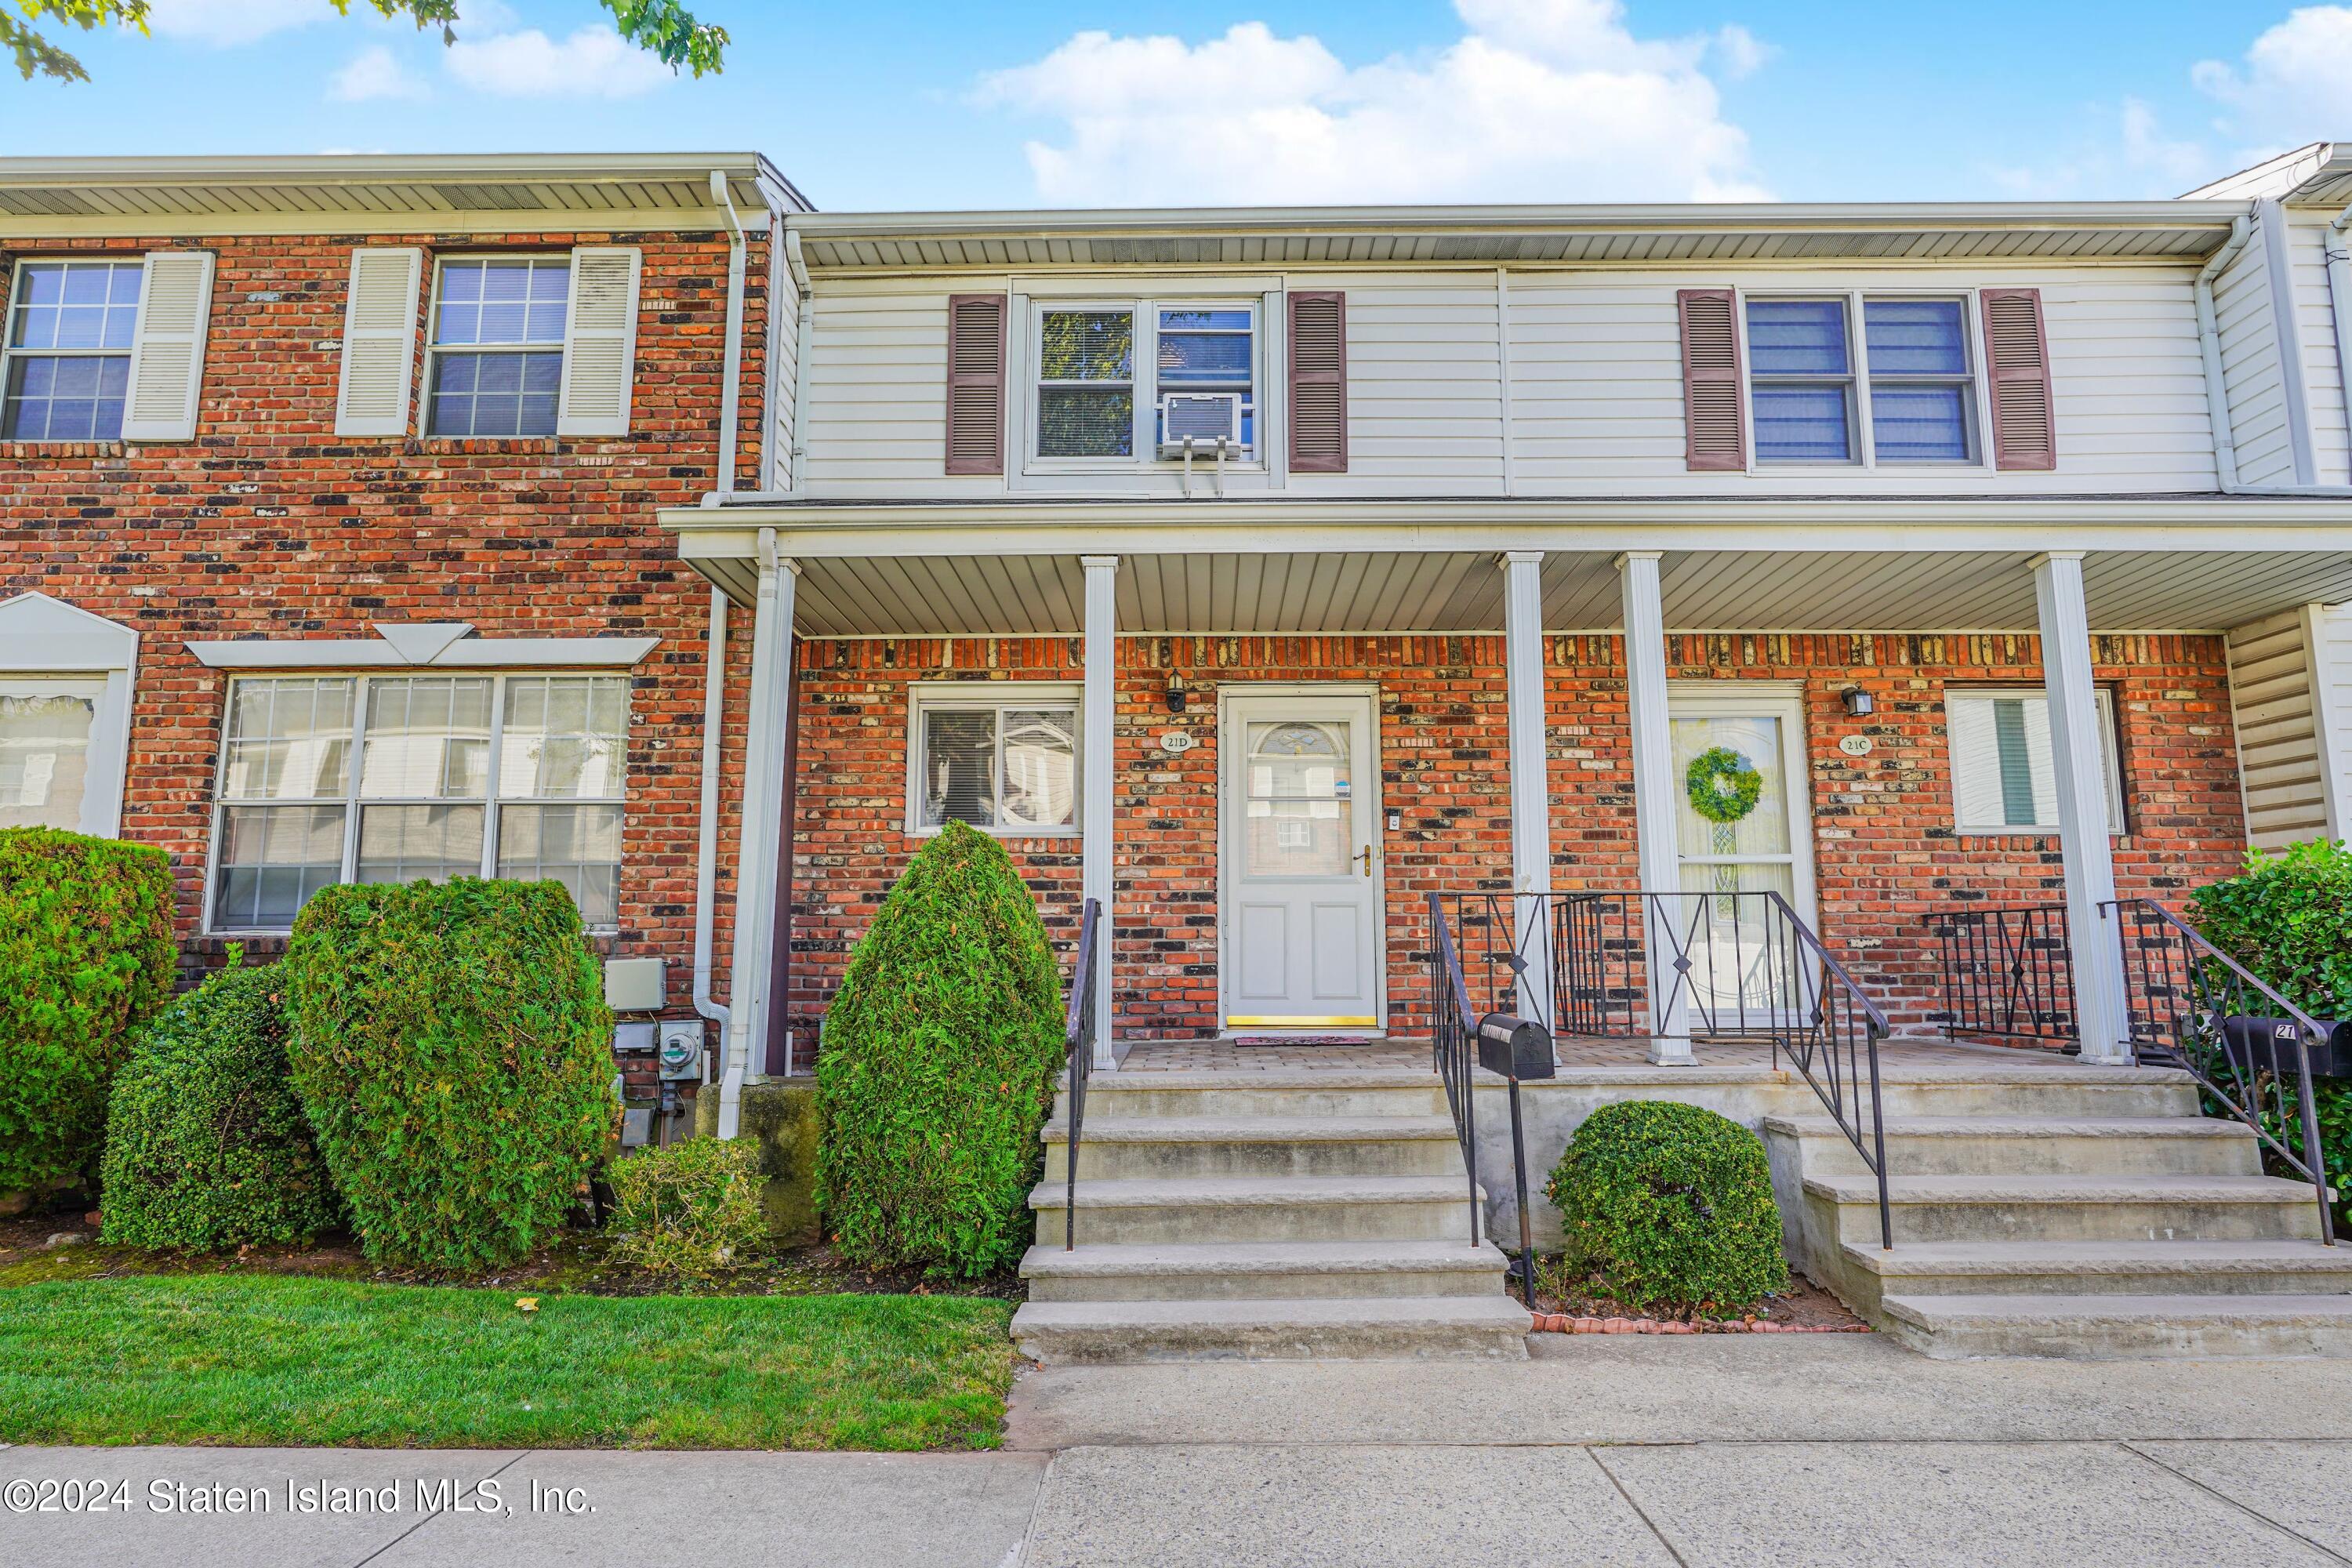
{"x":269,"y":526}
{"x":1885,"y":855}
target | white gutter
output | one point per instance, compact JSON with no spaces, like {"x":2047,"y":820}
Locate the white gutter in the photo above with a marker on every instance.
{"x":2208,"y":343}
{"x":705,"y":857}
{"x":2338,"y":243}
{"x":755,"y":860}
{"x":729,"y":385}
{"x":807,"y":318}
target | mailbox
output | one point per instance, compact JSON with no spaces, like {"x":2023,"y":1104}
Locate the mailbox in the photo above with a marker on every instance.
{"x":1514,"y":1046}
{"x":2263,"y":1040}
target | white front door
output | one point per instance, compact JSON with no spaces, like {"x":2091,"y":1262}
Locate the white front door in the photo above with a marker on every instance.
{"x":1738,"y":964}
{"x":1301,"y":890}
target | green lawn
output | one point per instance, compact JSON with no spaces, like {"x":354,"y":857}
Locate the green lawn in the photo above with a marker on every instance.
{"x":261,"y":1360}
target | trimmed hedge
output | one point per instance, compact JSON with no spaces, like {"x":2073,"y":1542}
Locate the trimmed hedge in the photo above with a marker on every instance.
{"x":1669,"y":1205}
{"x":941,"y":1048}
{"x":86,"y":956}
{"x":207,"y":1145}
{"x":690,"y":1210}
{"x":453,"y":1048}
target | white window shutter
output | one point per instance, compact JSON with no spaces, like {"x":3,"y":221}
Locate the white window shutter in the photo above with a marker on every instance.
{"x":167,"y":349}
{"x":599,"y":342}
{"x":379,"y":341}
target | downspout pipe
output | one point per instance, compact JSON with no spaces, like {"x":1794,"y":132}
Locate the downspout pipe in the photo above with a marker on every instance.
{"x":2208,"y":344}
{"x":2338,"y":239}
{"x":755,"y":858}
{"x":705,"y":860}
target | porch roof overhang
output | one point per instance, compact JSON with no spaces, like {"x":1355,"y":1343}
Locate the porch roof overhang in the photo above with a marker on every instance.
{"x":1518,"y":234}
{"x":55,"y":198}
{"x":1010,"y":566}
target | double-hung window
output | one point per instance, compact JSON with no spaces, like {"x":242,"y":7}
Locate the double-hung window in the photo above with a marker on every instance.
{"x":1904,"y":391}
{"x":1006,"y":762}
{"x":69,"y":333}
{"x":47,"y":727}
{"x":498,"y":345}
{"x":2003,"y":777}
{"x":337,"y":778}
{"x":1106,"y":372}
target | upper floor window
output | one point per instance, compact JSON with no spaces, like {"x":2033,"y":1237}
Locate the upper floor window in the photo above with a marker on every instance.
{"x":70,"y":328}
{"x":1904,"y":393}
{"x":498,"y":346}
{"x":1130,"y":381}
{"x":329,"y":779}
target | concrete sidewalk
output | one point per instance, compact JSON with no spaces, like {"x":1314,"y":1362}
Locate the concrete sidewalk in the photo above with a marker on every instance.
{"x":1832,"y":1450}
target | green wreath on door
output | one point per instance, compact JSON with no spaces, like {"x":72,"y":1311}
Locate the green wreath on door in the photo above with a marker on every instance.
{"x":1722,"y":785}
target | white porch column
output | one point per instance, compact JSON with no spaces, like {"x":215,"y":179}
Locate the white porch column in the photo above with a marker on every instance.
{"x":1654,"y":796}
{"x":1096,"y":724}
{"x":751,"y":971}
{"x":1523,"y":687}
{"x":2078,"y":760}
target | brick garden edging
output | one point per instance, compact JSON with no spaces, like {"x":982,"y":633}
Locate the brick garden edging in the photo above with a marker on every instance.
{"x":1561,"y":1323}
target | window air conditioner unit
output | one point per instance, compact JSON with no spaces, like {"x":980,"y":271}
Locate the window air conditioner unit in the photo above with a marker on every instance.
{"x":1209,"y":423}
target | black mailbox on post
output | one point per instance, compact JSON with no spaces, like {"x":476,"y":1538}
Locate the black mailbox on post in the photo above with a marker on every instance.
{"x":2266,"y":1042}
{"x":1514,"y":1046}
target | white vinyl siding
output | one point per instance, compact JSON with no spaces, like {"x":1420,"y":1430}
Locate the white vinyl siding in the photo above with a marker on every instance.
{"x":877,"y":419}
{"x":2004,"y":778}
{"x":2332,"y":653}
{"x":2291,"y":692}
{"x":784,"y":378}
{"x":2251,"y":367}
{"x":2315,"y":325}
{"x":1425,"y":385}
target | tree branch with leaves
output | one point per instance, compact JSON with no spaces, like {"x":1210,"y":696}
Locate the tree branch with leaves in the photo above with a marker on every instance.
{"x":662,"y":28}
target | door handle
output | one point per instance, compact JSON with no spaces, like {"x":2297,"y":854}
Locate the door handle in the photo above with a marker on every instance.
{"x":1365,"y":854}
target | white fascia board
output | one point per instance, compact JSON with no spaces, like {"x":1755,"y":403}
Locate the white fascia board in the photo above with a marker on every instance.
{"x":470,"y":653}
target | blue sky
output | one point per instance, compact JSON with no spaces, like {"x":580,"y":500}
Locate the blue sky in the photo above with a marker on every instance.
{"x":950,"y":104}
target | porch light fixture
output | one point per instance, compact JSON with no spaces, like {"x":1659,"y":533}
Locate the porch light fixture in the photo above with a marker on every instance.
{"x":1175,"y":691}
{"x":1859,"y":704}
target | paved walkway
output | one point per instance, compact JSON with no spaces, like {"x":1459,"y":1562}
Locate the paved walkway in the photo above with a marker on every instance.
{"x":1838,"y":1450}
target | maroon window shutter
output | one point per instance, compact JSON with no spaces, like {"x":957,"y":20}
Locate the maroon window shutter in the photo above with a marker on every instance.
{"x":1319,"y":382}
{"x":2017,"y":355}
{"x":1715,"y":438}
{"x":976,"y":383}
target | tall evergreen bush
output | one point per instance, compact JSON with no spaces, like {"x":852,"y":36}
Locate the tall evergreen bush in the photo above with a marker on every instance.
{"x":86,"y":956}
{"x":452,"y":1047}
{"x":942,"y":1048}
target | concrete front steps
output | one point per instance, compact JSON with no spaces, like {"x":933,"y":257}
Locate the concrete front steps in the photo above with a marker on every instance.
{"x":2085,"y":1212}
{"x":1226,"y":1215}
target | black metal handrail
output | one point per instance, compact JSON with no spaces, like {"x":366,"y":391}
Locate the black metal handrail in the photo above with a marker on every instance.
{"x":1079,"y":1036}
{"x":2193,"y":1006}
{"x":1734,"y":966}
{"x":2007,"y":970}
{"x":1453,"y":1042}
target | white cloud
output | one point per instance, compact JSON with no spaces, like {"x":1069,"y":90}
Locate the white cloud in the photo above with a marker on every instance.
{"x":594,"y":62}
{"x":374,"y":73}
{"x":233,"y":21}
{"x":1538,"y":100}
{"x":2293,"y":86}
{"x":2127,"y":155}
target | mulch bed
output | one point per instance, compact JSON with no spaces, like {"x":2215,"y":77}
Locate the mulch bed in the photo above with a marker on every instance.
{"x":1802,"y":1308}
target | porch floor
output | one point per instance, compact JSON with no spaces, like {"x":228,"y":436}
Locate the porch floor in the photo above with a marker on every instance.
{"x":1576,"y":1054}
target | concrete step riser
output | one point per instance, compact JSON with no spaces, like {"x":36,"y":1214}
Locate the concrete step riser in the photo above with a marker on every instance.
{"x":2189,"y":1281}
{"x":1404,"y":1099}
{"x":1140,"y":1223}
{"x":1333,"y":1342}
{"x":1138,"y":1162}
{"x":2104,"y":1102}
{"x":1484,"y":1280}
{"x":2125,"y":1342}
{"x":1998,"y":1155}
{"x":2088,"y":1221}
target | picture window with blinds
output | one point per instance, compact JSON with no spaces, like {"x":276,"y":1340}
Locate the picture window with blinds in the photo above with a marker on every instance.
{"x":1134,"y":382}
{"x":1004,"y":761}
{"x":331,"y":778}
{"x":1903,"y":390}
{"x":497,"y":333}
{"x":70,"y":328}
{"x":2004,"y":775}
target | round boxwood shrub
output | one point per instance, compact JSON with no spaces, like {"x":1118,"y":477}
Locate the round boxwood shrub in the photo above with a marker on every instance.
{"x":86,"y":956}
{"x":452,"y":1047}
{"x":207,"y":1145}
{"x":940,"y":1050}
{"x":1669,"y":1207}
{"x":690,"y":1210}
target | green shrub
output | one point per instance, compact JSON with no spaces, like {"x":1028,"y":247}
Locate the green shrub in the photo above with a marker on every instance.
{"x":2287,"y":918}
{"x":86,"y":956}
{"x":689,"y":1210}
{"x":1669,"y":1206}
{"x":207,"y":1145}
{"x":942,"y":1048}
{"x":453,"y":1048}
